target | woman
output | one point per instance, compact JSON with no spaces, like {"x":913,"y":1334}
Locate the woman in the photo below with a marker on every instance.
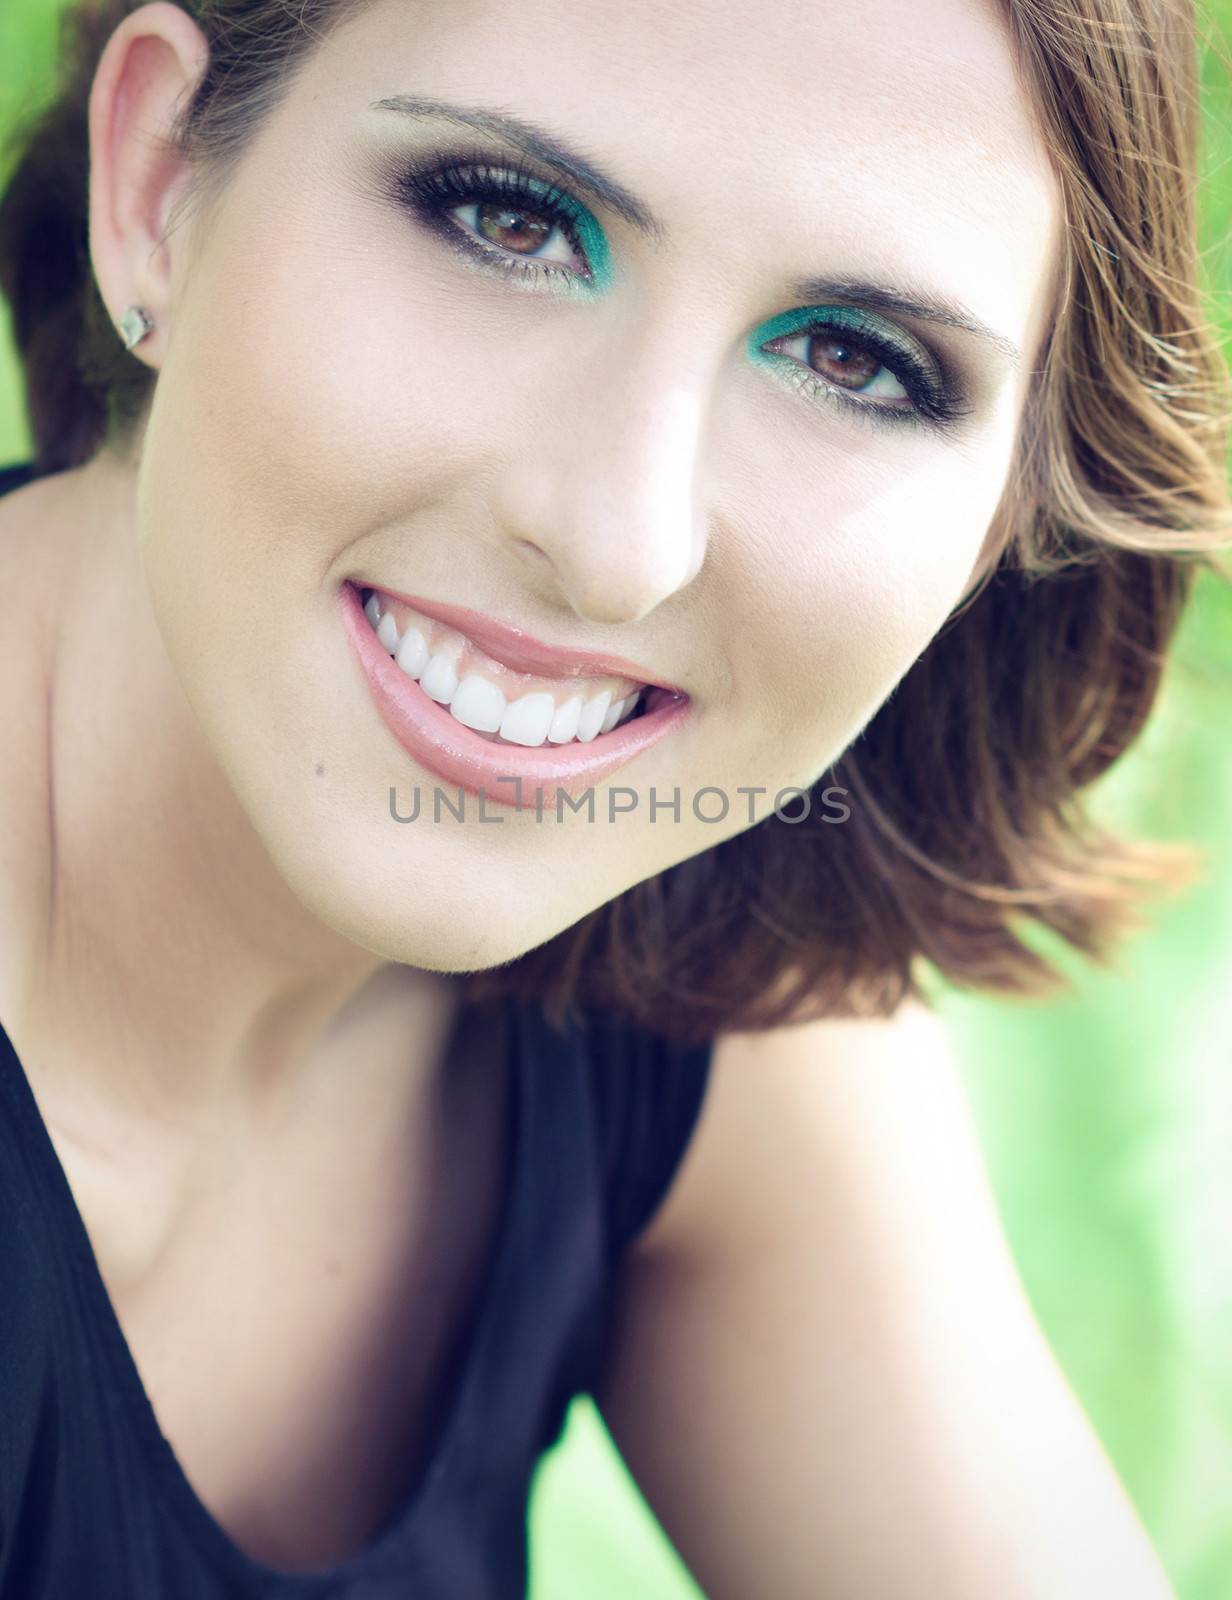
{"x":567,"y":556}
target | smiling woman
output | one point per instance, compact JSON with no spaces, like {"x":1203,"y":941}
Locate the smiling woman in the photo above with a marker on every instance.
{"x":664,"y":454}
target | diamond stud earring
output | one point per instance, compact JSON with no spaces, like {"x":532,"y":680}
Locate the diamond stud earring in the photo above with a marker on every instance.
{"x":134,"y":325}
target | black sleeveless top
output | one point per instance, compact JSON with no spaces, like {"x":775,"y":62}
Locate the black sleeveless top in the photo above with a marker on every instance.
{"x":93,"y":1502}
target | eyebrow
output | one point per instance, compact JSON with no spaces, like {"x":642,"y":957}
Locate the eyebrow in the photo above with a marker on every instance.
{"x":537,"y":142}
{"x":920,"y":303}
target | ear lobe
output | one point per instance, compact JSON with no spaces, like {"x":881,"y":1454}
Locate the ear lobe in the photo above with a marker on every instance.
{"x":148,"y":72}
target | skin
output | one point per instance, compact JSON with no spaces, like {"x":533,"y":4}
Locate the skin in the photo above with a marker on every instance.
{"x":229,"y":974}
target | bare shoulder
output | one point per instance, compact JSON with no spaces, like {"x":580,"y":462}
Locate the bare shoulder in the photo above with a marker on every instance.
{"x":823,"y":1361}
{"x":28,"y":520}
{"x":786,"y":1109}
{"x":23,"y":512}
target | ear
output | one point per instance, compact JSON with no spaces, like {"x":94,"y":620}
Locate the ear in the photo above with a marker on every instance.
{"x":148,"y":72}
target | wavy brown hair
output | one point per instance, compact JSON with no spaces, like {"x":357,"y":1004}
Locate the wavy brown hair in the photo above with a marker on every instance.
{"x":967,"y":833}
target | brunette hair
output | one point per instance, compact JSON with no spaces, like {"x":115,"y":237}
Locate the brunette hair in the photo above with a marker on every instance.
{"x":966,"y":834}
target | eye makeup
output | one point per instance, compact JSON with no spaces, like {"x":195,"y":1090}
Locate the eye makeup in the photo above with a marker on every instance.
{"x":934,"y":396}
{"x":439,"y":183}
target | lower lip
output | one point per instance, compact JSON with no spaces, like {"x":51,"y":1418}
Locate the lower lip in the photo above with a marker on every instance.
{"x":438,"y":741}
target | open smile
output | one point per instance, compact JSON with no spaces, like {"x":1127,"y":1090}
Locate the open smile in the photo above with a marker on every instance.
{"x":515,"y":726}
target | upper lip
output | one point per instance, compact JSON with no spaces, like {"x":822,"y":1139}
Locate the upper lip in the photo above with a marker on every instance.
{"x":515,"y":648}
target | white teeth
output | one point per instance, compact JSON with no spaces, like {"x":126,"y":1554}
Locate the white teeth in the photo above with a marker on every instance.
{"x":527,"y":720}
{"x":412,"y":654}
{"x":387,"y":632}
{"x":439,"y":678}
{"x":593,"y":713}
{"x":564,"y":724}
{"x":478,"y":703}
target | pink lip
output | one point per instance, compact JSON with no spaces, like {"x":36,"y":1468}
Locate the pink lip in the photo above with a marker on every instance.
{"x":518,"y":650}
{"x":517,"y":776}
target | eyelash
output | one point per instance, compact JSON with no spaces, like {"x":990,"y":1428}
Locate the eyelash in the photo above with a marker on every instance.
{"x":433,"y":192}
{"x":935,"y":400}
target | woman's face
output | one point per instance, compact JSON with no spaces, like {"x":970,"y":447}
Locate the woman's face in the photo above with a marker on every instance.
{"x":623,"y":424}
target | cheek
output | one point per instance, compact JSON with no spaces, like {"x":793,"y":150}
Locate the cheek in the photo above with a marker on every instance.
{"x":283,"y":458}
{"x":851,"y":597}
{"x":318,"y":428}
{"x":288,"y":424}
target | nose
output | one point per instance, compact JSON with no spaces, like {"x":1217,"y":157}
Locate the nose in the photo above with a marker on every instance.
{"x":603,"y":486}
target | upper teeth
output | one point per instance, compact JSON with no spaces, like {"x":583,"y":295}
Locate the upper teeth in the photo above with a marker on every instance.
{"x":433,"y":655}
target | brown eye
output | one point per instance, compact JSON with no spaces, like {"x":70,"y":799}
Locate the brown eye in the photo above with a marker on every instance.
{"x":871,"y":369}
{"x":512,"y":229}
{"x":842,"y":360}
{"x":504,"y":217}
{"x":506,"y":231}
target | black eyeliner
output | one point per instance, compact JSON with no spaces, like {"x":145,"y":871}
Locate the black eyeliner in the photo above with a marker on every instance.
{"x":443,"y":180}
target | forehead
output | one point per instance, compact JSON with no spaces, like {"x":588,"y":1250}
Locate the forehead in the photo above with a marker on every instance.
{"x":790,"y":139}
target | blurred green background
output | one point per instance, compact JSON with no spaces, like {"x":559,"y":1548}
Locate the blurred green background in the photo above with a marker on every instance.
{"x":1106,"y":1116}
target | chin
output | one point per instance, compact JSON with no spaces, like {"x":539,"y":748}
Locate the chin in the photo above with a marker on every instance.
{"x":441,"y":916}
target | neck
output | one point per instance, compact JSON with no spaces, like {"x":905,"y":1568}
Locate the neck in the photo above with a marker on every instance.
{"x":178,"y":966}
